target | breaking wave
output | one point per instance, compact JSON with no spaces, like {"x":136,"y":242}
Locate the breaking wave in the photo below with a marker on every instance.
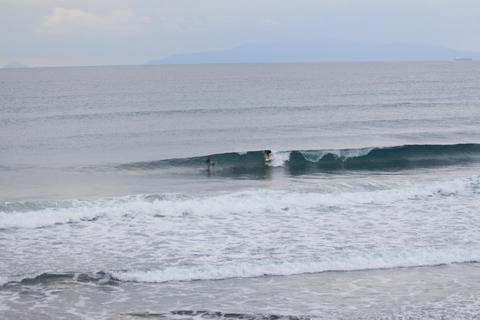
{"x":341,"y":262}
{"x":171,"y":205}
{"x":47,"y":213}
{"x":300,"y":161}
{"x":420,"y":257}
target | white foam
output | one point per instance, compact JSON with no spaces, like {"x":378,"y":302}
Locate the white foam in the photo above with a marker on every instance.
{"x":262,"y":200}
{"x":256,"y":201}
{"x":346,"y":262}
{"x":350,"y":153}
{"x":316,"y":155}
{"x":79,"y":210}
{"x":279,"y":159}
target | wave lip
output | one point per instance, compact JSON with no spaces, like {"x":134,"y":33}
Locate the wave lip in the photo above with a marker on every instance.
{"x":397,"y":157}
{"x":300,"y":161}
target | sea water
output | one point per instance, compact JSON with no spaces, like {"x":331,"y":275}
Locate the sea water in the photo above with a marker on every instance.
{"x":368,"y":208}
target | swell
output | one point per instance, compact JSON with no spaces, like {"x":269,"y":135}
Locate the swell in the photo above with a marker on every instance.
{"x":28,"y":116}
{"x":299,"y":161}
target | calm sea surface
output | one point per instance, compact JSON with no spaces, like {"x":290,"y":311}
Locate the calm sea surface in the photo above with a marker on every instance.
{"x":367,"y":209}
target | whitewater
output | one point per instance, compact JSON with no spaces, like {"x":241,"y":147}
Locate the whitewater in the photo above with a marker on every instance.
{"x":368,"y":208}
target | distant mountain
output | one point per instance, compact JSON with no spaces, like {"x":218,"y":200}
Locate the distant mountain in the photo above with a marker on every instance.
{"x":318,"y":52}
{"x":15,"y":64}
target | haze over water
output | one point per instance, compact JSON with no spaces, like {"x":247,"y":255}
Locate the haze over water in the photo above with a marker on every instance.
{"x":369,"y":207}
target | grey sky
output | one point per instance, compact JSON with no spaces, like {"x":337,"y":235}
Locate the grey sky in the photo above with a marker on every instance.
{"x":92,"y":32}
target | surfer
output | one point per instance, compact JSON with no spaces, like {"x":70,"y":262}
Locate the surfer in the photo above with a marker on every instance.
{"x":267,"y":154}
{"x":209,"y":162}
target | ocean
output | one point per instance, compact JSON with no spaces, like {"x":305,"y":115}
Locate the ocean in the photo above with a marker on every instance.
{"x":368,"y":209}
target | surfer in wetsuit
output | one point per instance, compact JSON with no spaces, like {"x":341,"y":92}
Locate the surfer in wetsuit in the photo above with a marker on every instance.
{"x":209,"y":163}
{"x":267,"y":154}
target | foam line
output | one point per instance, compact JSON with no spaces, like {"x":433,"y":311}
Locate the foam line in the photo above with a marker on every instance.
{"x":341,"y":262}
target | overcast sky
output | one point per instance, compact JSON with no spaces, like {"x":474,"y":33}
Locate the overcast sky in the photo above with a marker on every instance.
{"x":96,"y":32}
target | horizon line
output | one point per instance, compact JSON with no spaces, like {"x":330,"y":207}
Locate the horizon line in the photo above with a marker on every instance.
{"x":455,"y":59}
